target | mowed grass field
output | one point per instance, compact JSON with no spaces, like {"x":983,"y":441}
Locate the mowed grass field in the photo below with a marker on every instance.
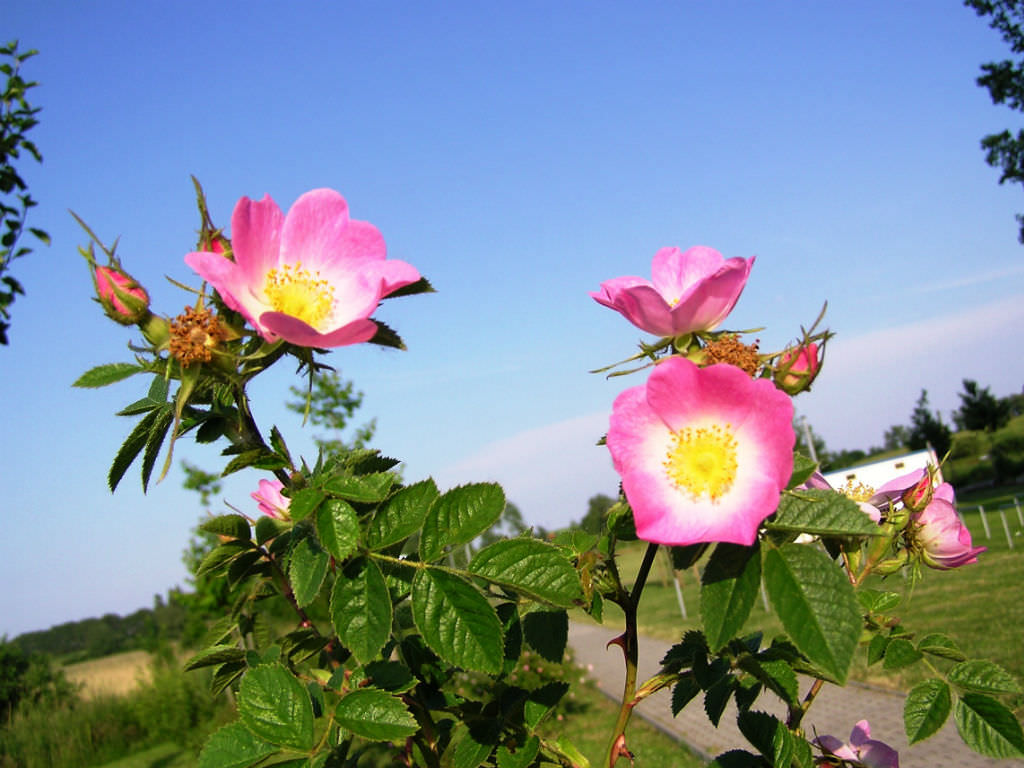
{"x":981,"y":606}
{"x":116,"y":674}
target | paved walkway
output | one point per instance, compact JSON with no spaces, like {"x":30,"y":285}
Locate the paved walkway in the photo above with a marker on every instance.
{"x":834,"y":711}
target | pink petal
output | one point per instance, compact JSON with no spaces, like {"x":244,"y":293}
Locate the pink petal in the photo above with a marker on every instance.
{"x":707,"y":303}
{"x":674,"y":272}
{"x":295,"y":331}
{"x":639,"y":302}
{"x":256,"y":239}
{"x":388,"y":275}
{"x":316,"y":230}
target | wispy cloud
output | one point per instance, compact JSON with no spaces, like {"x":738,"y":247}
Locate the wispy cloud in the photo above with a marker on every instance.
{"x":969,"y":280}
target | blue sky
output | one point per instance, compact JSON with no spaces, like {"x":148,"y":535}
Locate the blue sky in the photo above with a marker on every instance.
{"x":518,"y":155}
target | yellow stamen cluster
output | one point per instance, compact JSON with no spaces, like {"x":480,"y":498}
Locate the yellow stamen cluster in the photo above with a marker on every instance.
{"x":729,"y":349}
{"x":857,"y":491}
{"x":295,"y":291}
{"x":702,"y":461}
{"x":194,"y":334}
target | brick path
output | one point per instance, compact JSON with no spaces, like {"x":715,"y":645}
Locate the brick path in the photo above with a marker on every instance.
{"x":834,"y":711}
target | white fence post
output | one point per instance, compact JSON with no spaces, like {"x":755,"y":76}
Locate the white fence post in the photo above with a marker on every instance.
{"x":1006,"y":527}
{"x":984,"y":522}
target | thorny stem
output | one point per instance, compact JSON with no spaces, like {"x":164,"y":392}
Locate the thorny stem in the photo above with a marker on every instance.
{"x":797,"y":715}
{"x":628,"y":642}
{"x":251,"y":436}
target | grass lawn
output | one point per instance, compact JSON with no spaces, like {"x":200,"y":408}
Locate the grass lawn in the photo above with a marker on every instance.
{"x":162,"y":756}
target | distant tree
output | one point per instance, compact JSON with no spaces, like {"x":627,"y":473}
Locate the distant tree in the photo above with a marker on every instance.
{"x":597,"y":507}
{"x":1005,"y":83}
{"x":896,"y":437}
{"x":980,"y":409}
{"x":29,"y":677}
{"x":927,"y":428}
{"x":510,"y":524}
{"x":17,"y":117}
{"x":842,"y":459}
{"x":331,"y":402}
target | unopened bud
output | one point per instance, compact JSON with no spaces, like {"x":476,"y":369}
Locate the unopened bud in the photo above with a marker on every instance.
{"x":892,"y":565}
{"x":919,"y":495}
{"x":797,"y":368}
{"x":122,"y":298}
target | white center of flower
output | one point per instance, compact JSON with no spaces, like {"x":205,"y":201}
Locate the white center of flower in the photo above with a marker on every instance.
{"x":295,"y":291}
{"x":702,"y":461}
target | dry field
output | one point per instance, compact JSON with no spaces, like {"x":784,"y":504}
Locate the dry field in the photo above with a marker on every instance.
{"x":115,"y":674}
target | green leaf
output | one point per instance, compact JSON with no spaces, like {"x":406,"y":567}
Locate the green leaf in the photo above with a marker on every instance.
{"x":260,"y":458}
{"x":276,"y":707}
{"x":361,"y":609}
{"x":102,"y":375}
{"x":304,"y":503}
{"x":900,"y":653}
{"x":822,"y":513}
{"x":877,"y":601}
{"x":775,"y":674}
{"x":391,"y":676}
{"x":986,"y":726}
{"x":926,"y":709}
{"x":234,"y":746}
{"x":155,"y":439}
{"x":737,"y":758}
{"x":803,"y":468}
{"x":375,"y":715}
{"x":367,"y":489}
{"x":542,"y":702}
{"x":268,"y":528}
{"x":532,"y":568}
{"x":402,"y":515}
{"x":234,"y":526}
{"x":876,"y":648}
{"x":940,"y":645}
{"x":221,"y":556}
{"x":307,"y":570}
{"x":522,"y":757}
{"x":156,"y":397}
{"x":982,"y":677}
{"x":456,"y":621}
{"x":337,"y":525}
{"x":465,"y":750}
{"x":218,"y":654}
{"x":770,"y":736}
{"x":816,"y":604}
{"x":729,"y":587}
{"x":459,"y":516}
{"x":684,"y":692}
{"x":547,"y":632}
{"x":134,"y":443}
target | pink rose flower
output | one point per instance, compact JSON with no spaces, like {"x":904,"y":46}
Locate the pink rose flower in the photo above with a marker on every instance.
{"x":704,"y":453}
{"x":270,"y":500}
{"x":691,"y":291}
{"x":861,"y":750}
{"x":122,"y":298}
{"x":866,"y":499}
{"x":943,"y":539}
{"x":312,"y":278}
